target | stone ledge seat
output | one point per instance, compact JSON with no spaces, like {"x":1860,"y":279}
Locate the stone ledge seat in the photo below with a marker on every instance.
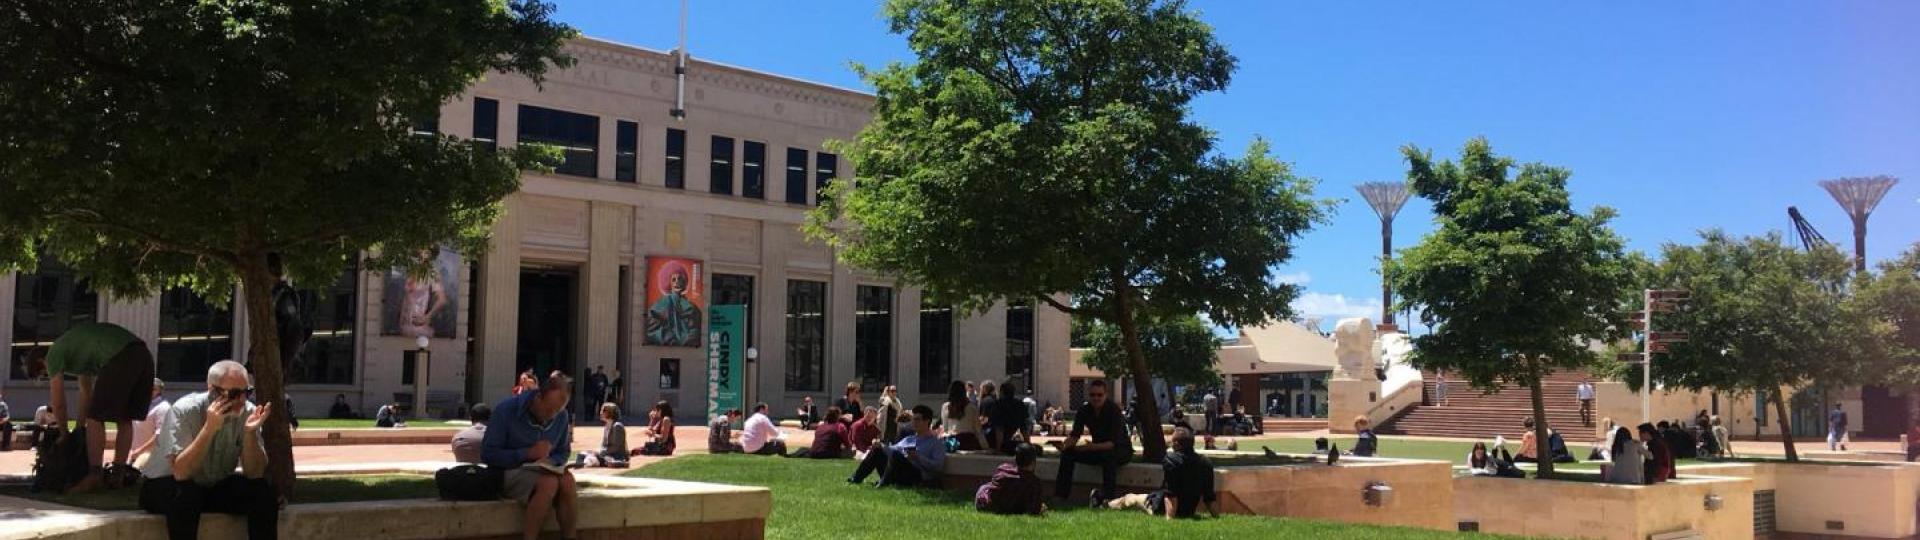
{"x":610,"y":507}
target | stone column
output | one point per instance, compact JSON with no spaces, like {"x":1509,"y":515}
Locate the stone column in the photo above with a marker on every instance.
{"x":498,"y":305}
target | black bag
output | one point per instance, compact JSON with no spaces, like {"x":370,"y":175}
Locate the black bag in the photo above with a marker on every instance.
{"x":60,"y":460}
{"x":469,"y":482}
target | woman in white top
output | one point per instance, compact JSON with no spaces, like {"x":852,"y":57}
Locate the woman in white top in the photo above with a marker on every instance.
{"x":960,"y":418}
{"x":1629,"y":460}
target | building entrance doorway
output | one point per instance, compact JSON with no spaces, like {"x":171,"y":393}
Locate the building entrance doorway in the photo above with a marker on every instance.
{"x":546,"y":324}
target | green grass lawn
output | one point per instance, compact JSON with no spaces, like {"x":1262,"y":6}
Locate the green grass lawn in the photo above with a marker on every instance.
{"x":332,"y":423}
{"x":812,"y":500}
{"x":309,"y":489}
{"x":1452,"y":451}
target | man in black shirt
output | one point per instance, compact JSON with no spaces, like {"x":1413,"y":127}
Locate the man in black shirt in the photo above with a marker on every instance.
{"x":1188,"y":481}
{"x":1102,"y":420}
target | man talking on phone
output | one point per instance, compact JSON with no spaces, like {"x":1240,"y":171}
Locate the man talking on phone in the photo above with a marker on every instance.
{"x":213,"y":432}
{"x":530,"y":439}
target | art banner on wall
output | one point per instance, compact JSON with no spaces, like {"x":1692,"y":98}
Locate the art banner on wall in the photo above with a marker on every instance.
{"x":422,"y":306}
{"x":726,"y":339}
{"x":676,"y":302}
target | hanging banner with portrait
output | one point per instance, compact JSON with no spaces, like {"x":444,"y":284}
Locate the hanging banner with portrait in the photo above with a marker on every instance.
{"x":726,"y":340}
{"x":415,"y":306}
{"x":676,"y":302}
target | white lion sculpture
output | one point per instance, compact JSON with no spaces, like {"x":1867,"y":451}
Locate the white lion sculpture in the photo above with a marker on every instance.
{"x":1353,"y":348}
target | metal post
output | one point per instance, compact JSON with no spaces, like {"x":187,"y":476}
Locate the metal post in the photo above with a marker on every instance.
{"x":420,"y":358}
{"x":679,"y":111}
{"x":1386,"y":285}
{"x":1646,"y":358}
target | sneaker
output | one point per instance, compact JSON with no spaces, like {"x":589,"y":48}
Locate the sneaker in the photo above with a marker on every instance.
{"x":1094,"y":501}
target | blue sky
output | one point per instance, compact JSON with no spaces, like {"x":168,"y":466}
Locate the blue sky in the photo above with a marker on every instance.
{"x":1682,"y":116}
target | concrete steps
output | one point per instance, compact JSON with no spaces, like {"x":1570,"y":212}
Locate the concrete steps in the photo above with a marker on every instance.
{"x":1471,"y":412}
{"x":1293,"y":425}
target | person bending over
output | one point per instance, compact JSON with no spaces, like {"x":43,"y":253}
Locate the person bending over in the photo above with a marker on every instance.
{"x":1186,"y":483}
{"x":116,"y":383}
{"x":531,"y":444}
{"x":913,"y":461}
{"x":466,"y":443}
{"x":211,"y":433}
{"x":1014,"y":488}
{"x":1100,"y":420}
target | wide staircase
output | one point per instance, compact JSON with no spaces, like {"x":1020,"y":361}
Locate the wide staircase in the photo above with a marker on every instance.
{"x":1273,"y":424}
{"x":1469,"y":412}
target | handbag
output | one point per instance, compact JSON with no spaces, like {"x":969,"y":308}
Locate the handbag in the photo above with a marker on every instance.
{"x":469,"y":482}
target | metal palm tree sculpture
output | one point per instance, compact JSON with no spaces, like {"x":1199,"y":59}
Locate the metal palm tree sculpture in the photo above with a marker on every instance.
{"x":1858,"y":196}
{"x":1386,"y":198}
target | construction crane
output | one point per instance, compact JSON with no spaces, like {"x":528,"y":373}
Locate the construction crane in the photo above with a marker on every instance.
{"x":1809,"y":238}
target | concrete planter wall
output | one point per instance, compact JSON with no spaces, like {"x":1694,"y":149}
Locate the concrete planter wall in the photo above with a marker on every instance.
{"x":1567,"y":509}
{"x":1834,"y":501}
{"x":1422,"y":493}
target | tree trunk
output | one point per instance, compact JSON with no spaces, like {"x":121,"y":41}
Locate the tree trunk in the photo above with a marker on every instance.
{"x":1786,"y":424}
{"x":1542,"y":448}
{"x":263,"y":360}
{"x":1153,"y":445}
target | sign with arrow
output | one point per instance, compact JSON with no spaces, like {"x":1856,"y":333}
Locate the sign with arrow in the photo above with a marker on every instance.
{"x":1656,"y":346}
{"x":1631,"y":358}
{"x":1667,"y":337}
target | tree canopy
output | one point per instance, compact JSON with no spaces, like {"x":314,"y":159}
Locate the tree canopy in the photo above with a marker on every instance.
{"x":179,"y":143}
{"x":1037,"y":149}
{"x":1513,"y":281}
{"x":1180,"y":350}
{"x":1765,"y":317}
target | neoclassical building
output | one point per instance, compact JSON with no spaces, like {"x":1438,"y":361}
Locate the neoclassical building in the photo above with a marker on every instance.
{"x":583,"y":255}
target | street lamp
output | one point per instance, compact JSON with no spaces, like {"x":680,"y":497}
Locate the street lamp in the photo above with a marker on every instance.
{"x":420,"y":358}
{"x":1386,"y":198}
{"x":1858,"y":196}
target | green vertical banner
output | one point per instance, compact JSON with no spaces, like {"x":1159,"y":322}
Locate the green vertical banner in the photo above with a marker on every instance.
{"x":726,"y":343}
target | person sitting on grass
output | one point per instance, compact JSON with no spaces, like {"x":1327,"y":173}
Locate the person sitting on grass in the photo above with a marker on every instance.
{"x":659,"y":431}
{"x":1529,"y":448}
{"x":913,"y":461}
{"x":829,"y":439}
{"x":1367,"y":444}
{"x":212,"y":433}
{"x":1101,"y":420}
{"x":1015,"y":488}
{"x":531,"y":445}
{"x":760,"y":437}
{"x":864,"y":431}
{"x":720,"y":434}
{"x":613,"y":440}
{"x":1187,"y":482}
{"x":1557,"y":448}
{"x":389,"y":417}
{"x":466,"y":443}
{"x":807,"y":414}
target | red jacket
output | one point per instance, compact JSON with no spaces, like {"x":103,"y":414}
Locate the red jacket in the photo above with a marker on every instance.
{"x":1010,"y":491}
{"x":864,"y":432}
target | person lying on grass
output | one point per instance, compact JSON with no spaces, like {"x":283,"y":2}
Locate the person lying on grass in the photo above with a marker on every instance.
{"x":1014,"y":488}
{"x":1187,"y":482}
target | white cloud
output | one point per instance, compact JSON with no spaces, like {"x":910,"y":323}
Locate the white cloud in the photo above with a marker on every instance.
{"x":1295,"y":278}
{"x":1333,"y":307}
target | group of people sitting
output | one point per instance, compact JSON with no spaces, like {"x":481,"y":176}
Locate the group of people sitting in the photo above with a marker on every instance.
{"x":1643,"y":455}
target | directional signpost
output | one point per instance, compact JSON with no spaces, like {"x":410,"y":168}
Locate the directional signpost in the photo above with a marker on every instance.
{"x":1654,"y":301}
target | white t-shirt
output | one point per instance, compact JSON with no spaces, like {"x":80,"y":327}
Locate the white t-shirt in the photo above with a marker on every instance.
{"x":143,"y":430}
{"x":159,"y":463}
{"x":758,"y":432}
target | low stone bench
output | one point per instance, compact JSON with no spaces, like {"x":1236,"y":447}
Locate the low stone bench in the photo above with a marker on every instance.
{"x":1421,"y":496}
{"x":23,"y":440}
{"x":1578,"y":509}
{"x":610,"y":507}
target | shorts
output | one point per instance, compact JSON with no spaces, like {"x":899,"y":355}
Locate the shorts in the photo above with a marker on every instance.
{"x":519,"y":482}
{"x":124,"y":387}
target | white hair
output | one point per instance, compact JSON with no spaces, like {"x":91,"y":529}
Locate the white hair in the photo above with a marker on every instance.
{"x":220,"y":370}
{"x":159,"y":384}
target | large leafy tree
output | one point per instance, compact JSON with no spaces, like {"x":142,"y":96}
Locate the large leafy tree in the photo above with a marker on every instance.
{"x":1180,"y":350}
{"x":1514,"y":282}
{"x":1893,"y":295}
{"x":165,"y":143}
{"x":1765,"y":318}
{"x":1041,"y":148}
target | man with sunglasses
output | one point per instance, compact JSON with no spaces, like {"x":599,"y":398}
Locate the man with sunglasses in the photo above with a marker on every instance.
{"x":211,"y":434}
{"x":530,"y":440}
{"x":1102,"y":421}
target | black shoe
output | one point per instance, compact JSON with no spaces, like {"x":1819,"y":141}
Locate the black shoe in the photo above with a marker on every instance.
{"x":1094,"y":501}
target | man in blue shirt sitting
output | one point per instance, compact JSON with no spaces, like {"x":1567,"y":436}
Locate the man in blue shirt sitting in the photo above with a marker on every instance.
{"x":914,"y":460}
{"x":530,"y":439}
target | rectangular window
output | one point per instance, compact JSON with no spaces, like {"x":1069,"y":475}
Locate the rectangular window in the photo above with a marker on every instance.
{"x":936,"y":347}
{"x":806,"y":335}
{"x":735,"y":290}
{"x":45,"y":304}
{"x":1020,"y":343}
{"x":753,"y":170}
{"x":427,"y":126}
{"x":796,"y":176}
{"x":577,"y":135}
{"x":408,"y":361}
{"x":327,"y":357}
{"x":873,"y":337}
{"x":486,"y":122}
{"x":626,"y":151}
{"x":720,"y":174}
{"x":676,"y":158}
{"x":193,"y":335}
{"x":669,"y":373}
{"x":825,"y":167}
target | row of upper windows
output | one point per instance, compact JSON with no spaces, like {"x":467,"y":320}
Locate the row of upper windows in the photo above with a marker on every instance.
{"x":578,"y":138}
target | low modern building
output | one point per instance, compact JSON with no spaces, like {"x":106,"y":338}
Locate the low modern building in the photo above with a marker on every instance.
{"x":1280,"y":369}
{"x":613,"y":260}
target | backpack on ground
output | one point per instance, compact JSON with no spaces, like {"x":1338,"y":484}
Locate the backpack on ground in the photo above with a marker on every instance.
{"x":60,"y":460}
{"x":469,"y":482}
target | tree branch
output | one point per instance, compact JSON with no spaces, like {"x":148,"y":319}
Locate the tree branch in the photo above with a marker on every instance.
{"x":94,"y":219}
{"x":1070,"y":310}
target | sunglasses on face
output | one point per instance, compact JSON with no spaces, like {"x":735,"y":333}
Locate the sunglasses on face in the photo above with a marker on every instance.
{"x":231,"y":393}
